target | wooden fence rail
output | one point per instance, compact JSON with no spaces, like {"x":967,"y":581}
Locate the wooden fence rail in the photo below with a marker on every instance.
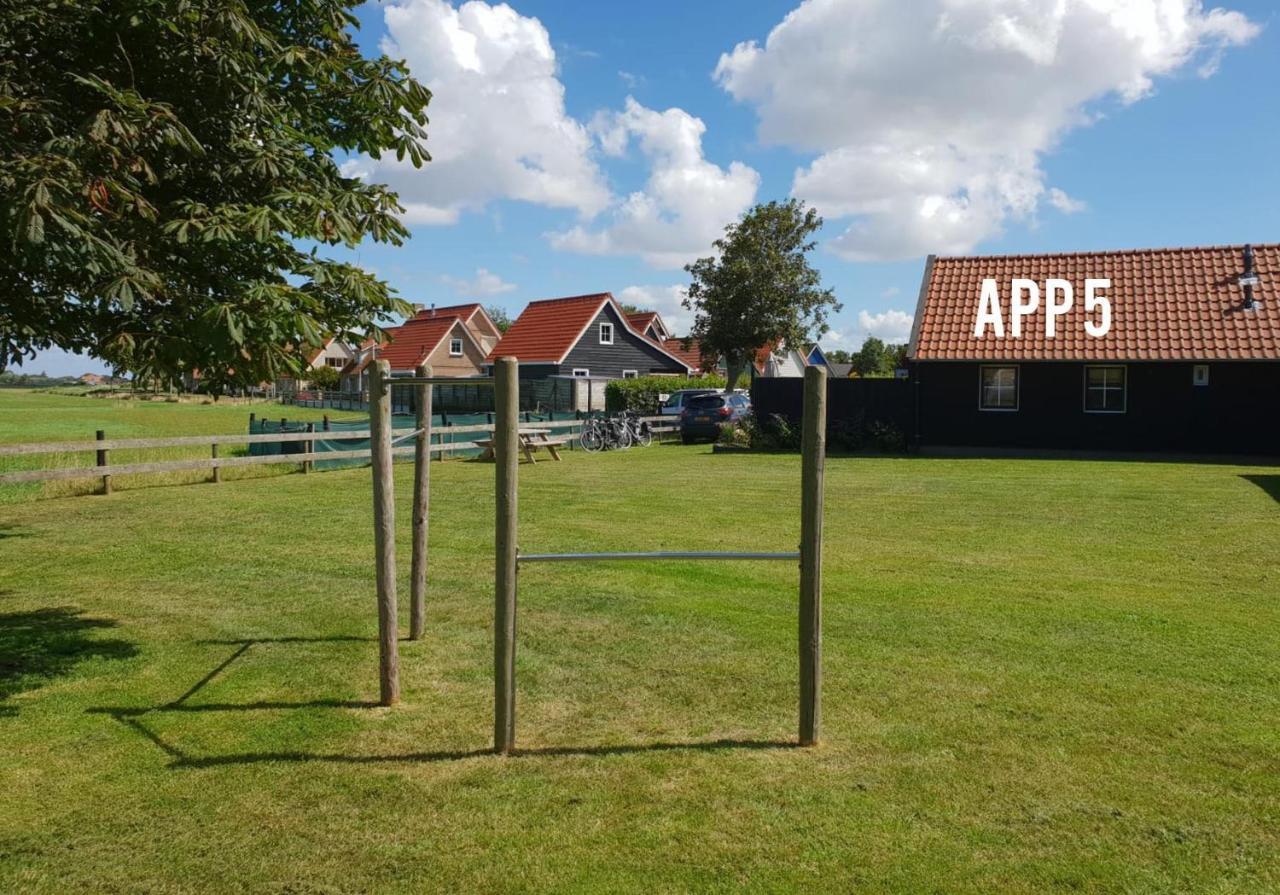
{"x":659,"y":426}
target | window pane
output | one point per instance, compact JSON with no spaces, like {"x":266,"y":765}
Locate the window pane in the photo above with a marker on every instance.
{"x":1104,"y":389}
{"x":1000,"y":388}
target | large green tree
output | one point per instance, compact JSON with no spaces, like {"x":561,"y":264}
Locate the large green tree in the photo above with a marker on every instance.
{"x":168,"y":181}
{"x":759,"y":289}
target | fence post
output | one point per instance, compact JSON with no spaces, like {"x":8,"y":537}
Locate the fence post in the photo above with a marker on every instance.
{"x":421,"y":510}
{"x":308,"y":447}
{"x":813,"y":449}
{"x":507,"y":457}
{"x":253,"y":420}
{"x":217,"y":470}
{"x":384,"y":532}
{"x":326,"y":422}
{"x":102,"y":461}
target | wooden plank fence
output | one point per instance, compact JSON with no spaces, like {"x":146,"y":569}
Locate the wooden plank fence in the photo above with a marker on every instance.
{"x":102,"y":446}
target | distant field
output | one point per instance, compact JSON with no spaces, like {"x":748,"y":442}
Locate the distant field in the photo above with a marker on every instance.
{"x":1040,"y":676}
{"x":27,"y":415}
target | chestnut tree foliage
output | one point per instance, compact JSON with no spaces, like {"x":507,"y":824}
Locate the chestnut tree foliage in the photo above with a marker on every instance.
{"x":759,"y":290}
{"x":168,"y":181}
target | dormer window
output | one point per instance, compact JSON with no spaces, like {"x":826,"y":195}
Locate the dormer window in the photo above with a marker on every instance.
{"x":606,"y":333}
{"x":455,"y":348}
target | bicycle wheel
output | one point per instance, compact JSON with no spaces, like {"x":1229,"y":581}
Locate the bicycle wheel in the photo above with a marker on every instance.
{"x":642,"y":435}
{"x":624,"y":437}
{"x":591,"y":438}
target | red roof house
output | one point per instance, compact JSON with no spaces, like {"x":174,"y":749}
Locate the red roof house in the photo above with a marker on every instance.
{"x":452,"y":340}
{"x":1175,"y":348}
{"x":584,"y":335}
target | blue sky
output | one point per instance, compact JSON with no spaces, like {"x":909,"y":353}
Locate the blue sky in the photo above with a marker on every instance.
{"x":589,"y":147}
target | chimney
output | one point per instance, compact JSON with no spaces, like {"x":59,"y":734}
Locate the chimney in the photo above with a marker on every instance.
{"x":1249,"y":279}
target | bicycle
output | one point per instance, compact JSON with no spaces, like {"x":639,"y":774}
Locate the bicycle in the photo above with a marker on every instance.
{"x":604,"y":434}
{"x":638,"y":428}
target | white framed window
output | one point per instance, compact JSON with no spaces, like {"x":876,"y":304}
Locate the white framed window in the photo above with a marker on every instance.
{"x":998,"y":388}
{"x":338,"y":362}
{"x":1105,"y":389}
{"x":455,"y":348}
{"x":606,"y":333}
{"x":1200,"y":375}
{"x":581,"y":371}
{"x":630,"y":374}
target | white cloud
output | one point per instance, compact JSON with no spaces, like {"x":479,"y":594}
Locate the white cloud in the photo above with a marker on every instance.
{"x":888,"y":326}
{"x":666,"y":300}
{"x":484,"y":283}
{"x":686,"y":202}
{"x":929,"y":119}
{"x":1064,"y":203}
{"x":498,"y":127}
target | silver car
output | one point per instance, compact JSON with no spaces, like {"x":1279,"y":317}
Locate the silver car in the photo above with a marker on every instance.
{"x":676,"y":402}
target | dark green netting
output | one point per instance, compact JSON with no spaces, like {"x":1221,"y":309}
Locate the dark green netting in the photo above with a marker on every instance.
{"x":330,"y":439}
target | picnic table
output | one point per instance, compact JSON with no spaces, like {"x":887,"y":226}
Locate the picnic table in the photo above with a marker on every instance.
{"x":531,"y":439}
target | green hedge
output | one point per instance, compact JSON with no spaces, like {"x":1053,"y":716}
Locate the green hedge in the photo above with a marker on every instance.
{"x":641,"y":394}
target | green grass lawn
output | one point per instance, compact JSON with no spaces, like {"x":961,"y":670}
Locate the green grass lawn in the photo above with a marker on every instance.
{"x":30,"y":415}
{"x":1039,"y":676}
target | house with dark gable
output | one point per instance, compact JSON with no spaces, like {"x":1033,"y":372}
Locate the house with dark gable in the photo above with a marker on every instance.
{"x":1152,"y":350}
{"x":650,"y":325}
{"x":587,"y":336}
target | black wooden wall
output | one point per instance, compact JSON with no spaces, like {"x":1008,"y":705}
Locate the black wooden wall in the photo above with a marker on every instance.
{"x":1238,"y":412}
{"x":867,"y":400}
{"x":627,"y":352}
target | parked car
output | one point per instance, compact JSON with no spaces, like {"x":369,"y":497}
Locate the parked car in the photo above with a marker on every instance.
{"x":675,"y":403}
{"x":705,"y":414}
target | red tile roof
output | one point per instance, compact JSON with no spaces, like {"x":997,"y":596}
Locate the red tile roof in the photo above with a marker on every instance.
{"x":315,"y":354}
{"x":411,"y":343}
{"x":463,"y":311}
{"x":1166,"y":304}
{"x":641,"y":320}
{"x":692,"y":356}
{"x":546,"y":330}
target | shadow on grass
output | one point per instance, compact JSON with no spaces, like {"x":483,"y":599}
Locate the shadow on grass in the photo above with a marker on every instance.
{"x":242,"y":647}
{"x":181,"y":759}
{"x":40,"y":645}
{"x":1268,"y":483}
{"x":132,"y":718}
{"x":13,"y":531}
{"x":214,"y":761}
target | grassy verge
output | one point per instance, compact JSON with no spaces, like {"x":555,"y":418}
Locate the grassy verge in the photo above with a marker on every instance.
{"x":32,"y":416}
{"x":1040,"y":676}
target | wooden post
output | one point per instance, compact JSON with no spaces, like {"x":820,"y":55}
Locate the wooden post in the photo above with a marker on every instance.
{"x":326,"y":422}
{"x":308,"y":447}
{"x":217,"y":470}
{"x":102,"y":461}
{"x":421,"y":510}
{"x":506,"y":486}
{"x":253,"y":420}
{"x":813,"y":451}
{"x":384,"y":531}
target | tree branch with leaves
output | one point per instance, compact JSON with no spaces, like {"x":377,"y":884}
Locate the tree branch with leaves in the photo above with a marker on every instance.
{"x":168,"y":182}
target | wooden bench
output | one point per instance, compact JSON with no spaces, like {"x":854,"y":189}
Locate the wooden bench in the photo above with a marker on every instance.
{"x":531,"y":440}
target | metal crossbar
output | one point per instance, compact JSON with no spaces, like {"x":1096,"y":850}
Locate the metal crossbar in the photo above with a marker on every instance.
{"x":407,"y":436}
{"x":575,"y":557}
